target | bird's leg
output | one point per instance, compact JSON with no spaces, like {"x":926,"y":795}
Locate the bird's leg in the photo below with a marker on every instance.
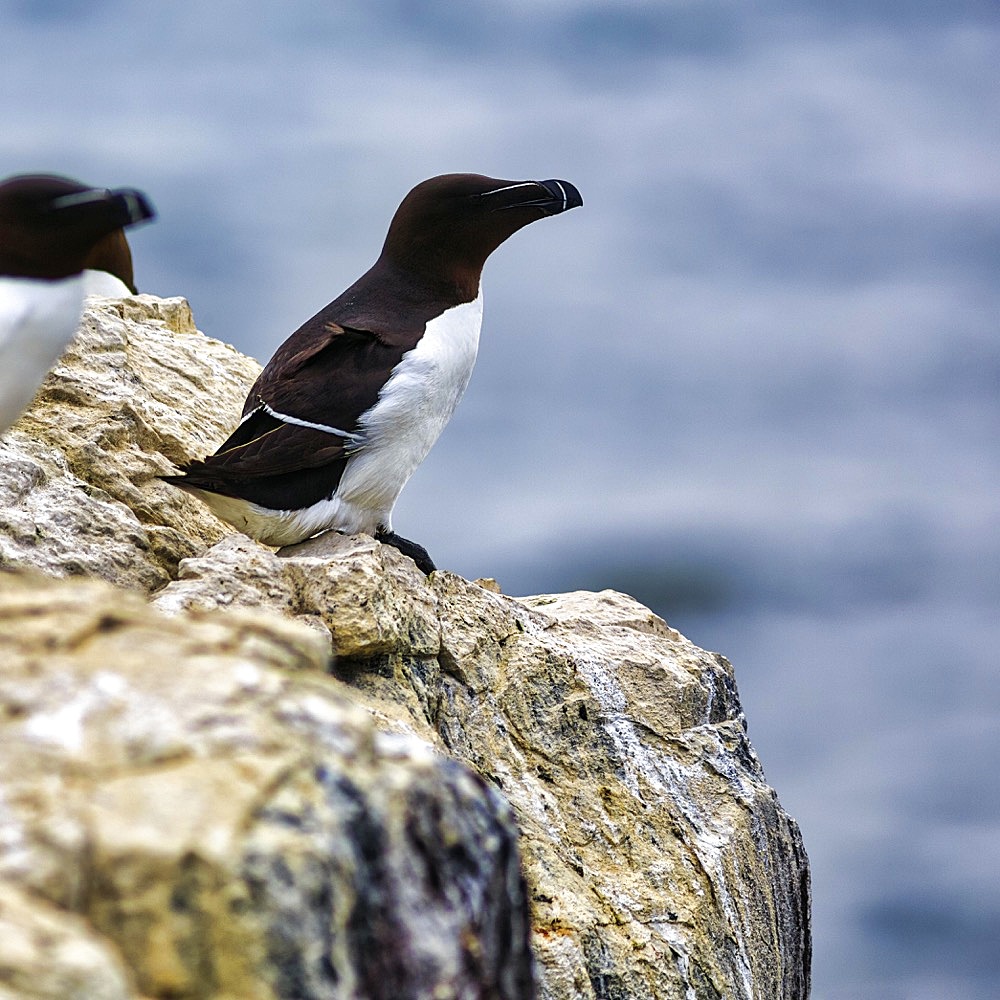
{"x":416,"y":552}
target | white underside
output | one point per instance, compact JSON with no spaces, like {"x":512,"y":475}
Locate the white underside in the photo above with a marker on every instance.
{"x":104,"y":284}
{"x":395,"y":436}
{"x":37,"y":320}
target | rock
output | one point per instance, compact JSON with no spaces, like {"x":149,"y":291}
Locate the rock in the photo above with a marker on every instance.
{"x":366,"y":598}
{"x":373,"y":599}
{"x":48,"y":953}
{"x":658,"y":861}
{"x":138,"y":390}
{"x":175,"y":796}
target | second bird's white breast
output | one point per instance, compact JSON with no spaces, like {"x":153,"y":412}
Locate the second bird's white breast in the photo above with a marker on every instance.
{"x":37,"y":320}
{"x":104,"y":284}
{"x":413,"y":407}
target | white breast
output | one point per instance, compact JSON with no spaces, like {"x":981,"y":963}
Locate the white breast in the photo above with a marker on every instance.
{"x":412,"y":410}
{"x":37,"y":320}
{"x":104,"y":284}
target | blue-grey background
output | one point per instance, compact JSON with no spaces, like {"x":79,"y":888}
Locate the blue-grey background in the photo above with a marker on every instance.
{"x":753,"y":381}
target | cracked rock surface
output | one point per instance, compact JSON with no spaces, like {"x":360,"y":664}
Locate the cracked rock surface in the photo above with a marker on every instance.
{"x":318,"y":773}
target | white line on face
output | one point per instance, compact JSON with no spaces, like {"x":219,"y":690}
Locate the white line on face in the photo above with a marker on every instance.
{"x":510,"y":187}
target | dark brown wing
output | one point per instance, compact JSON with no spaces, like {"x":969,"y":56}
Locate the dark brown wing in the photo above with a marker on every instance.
{"x":324,"y":375}
{"x":278,"y":465}
{"x":265,"y":446}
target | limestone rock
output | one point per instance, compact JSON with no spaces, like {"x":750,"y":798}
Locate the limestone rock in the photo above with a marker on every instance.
{"x":137,"y":390}
{"x":168,"y":756}
{"x":174,"y":796}
{"x":48,"y":953}
{"x":658,"y":858}
{"x":366,"y":598}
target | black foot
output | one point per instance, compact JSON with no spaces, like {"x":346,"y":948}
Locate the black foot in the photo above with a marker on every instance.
{"x":416,"y":552}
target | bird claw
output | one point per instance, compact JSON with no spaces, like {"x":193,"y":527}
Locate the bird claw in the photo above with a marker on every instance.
{"x":416,"y":552}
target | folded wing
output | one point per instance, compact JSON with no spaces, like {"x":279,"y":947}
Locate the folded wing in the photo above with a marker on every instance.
{"x":301,"y":419}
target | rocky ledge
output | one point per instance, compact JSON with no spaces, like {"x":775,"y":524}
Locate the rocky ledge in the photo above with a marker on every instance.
{"x":230,"y":772}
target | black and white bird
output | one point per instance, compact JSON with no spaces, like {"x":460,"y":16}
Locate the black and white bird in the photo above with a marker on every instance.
{"x":352,"y":402}
{"x":51,"y":230}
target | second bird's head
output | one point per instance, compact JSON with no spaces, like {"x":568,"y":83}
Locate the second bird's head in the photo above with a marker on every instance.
{"x":51,"y":226}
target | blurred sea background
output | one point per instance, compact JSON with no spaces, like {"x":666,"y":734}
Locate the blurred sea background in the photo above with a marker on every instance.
{"x":753,"y":382}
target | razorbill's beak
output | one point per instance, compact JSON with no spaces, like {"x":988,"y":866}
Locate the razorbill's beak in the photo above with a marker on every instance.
{"x":550,"y":197}
{"x":562,"y":197}
{"x":129,"y":205}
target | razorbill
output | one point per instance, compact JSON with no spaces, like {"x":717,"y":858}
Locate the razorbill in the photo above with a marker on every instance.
{"x":49,"y":227}
{"x":352,"y":402}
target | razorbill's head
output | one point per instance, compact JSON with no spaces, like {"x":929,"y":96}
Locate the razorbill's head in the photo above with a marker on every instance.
{"x":447,"y":226}
{"x":53,"y":227}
